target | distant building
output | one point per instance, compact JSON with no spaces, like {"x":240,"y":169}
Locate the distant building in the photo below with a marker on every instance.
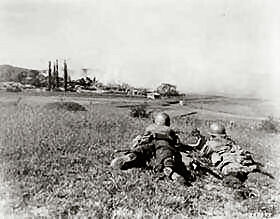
{"x":153,"y":95}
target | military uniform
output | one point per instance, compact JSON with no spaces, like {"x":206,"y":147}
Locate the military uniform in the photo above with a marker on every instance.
{"x":224,"y":151}
{"x":215,"y":147}
{"x":159,"y":142}
{"x":164,"y":141}
{"x":228,"y":157}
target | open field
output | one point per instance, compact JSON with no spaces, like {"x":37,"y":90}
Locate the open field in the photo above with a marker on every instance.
{"x":55,"y":162}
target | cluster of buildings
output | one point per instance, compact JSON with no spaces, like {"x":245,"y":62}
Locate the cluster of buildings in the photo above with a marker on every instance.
{"x":49,"y":80}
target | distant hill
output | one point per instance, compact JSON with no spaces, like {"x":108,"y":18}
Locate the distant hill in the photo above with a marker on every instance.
{"x":21,"y":75}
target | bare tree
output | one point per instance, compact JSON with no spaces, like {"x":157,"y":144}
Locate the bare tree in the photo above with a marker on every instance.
{"x":56,"y":74}
{"x":65,"y":75}
{"x":50,"y":77}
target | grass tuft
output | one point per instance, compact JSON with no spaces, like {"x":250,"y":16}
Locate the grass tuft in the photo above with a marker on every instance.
{"x":270,"y":125}
{"x":69,"y":106}
{"x":139,"y":111}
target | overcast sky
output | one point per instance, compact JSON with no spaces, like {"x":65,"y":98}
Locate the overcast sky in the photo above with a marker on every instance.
{"x":217,"y":46}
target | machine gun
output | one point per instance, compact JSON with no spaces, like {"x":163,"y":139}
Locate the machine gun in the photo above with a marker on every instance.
{"x":126,"y":151}
{"x":199,"y":164}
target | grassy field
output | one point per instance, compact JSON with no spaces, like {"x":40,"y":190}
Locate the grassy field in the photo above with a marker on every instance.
{"x":55,"y":162}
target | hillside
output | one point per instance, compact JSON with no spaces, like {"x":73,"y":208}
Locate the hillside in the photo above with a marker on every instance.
{"x":22,"y":75}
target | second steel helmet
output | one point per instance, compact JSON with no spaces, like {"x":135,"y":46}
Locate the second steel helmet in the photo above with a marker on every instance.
{"x":217,"y":129}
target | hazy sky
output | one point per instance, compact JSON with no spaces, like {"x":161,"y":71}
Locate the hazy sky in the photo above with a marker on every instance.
{"x":224,"y":46}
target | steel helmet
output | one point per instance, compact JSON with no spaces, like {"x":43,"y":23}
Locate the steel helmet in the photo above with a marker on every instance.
{"x":162,"y":119}
{"x":217,"y":129}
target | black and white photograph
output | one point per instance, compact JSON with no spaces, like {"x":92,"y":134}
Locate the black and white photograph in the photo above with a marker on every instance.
{"x":150,"y":109}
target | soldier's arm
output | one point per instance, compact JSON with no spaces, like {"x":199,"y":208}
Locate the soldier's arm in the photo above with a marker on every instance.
{"x":181,"y":146}
{"x":142,"y":139}
{"x":206,"y":150}
{"x":184,"y":148}
{"x":178,"y":143}
{"x":175,"y":139}
{"x":195,"y":144}
{"x":136,"y":141}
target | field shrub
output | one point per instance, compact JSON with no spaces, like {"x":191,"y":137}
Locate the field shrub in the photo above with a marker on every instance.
{"x":139,"y":111}
{"x":69,"y":106}
{"x":270,"y":125}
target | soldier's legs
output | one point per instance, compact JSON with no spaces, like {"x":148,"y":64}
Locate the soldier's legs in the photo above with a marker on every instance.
{"x":176,"y":171}
{"x":124,"y":162}
{"x":185,"y":171}
{"x":235,"y":176}
{"x":169,"y":170}
{"x":136,"y":158}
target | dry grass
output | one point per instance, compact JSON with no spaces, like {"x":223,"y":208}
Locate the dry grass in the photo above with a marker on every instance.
{"x":55,"y":162}
{"x":69,"y":106}
{"x":270,"y":125}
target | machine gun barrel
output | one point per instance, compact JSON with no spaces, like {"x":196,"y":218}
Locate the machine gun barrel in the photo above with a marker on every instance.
{"x":202,"y":167}
{"x":200,"y":164}
{"x":123,"y":150}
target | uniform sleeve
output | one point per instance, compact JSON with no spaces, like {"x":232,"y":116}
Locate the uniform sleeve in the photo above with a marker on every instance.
{"x":207,"y":149}
{"x":194,"y":142}
{"x":175,"y":137}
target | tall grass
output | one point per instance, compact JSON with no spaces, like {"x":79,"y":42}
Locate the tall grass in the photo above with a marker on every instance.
{"x":270,"y":125}
{"x":59,"y":161}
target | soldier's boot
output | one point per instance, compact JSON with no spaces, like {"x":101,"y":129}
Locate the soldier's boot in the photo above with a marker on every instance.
{"x":174,"y":176}
{"x":124,"y":162}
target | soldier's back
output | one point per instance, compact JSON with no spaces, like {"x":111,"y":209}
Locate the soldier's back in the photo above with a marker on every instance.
{"x":162,"y":132}
{"x":160,"y":129}
{"x":219,"y":145}
{"x":197,"y":142}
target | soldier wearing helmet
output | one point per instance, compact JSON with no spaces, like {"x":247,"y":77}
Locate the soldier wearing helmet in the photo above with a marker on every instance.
{"x":217,"y":129}
{"x":161,"y":143}
{"x":218,"y":143}
{"x":228,"y":157}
